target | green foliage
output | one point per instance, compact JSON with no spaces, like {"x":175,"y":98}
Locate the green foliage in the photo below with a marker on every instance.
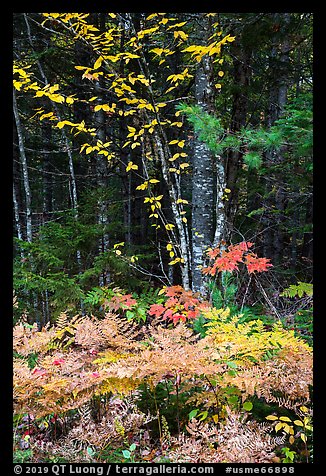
{"x":253,"y":160}
{"x":298,"y":290}
{"x":289,"y":455}
{"x":225,"y":294}
{"x":207,"y":127}
{"x":22,"y":456}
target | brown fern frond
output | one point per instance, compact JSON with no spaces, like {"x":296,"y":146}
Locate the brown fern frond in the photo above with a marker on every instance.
{"x":28,"y":339}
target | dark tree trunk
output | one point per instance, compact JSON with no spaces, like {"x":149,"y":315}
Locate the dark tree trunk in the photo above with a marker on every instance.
{"x":241,"y":74}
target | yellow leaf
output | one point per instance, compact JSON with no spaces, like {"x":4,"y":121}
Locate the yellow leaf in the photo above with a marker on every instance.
{"x":162,"y":291}
{"x":169,"y":247}
{"x":218,"y":86}
{"x":279,"y":426}
{"x":285,"y":418}
{"x":298,"y":422}
{"x":98,"y":62}
{"x":215,"y":418}
{"x":122,"y":243}
{"x":181,"y":143}
{"x":272,"y":417}
{"x":184,"y":219}
{"x":176,"y":260}
{"x":221,"y":74}
{"x":131,"y":166}
{"x":169,"y":226}
{"x":287,"y":428}
{"x":184,"y":165}
{"x":291,"y":440}
{"x":174,"y":157}
{"x":154,"y":181}
{"x":143,"y":186}
{"x":303,"y":437}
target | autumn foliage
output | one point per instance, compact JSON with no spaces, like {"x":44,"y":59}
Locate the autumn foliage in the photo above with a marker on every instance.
{"x":228,"y":259}
{"x":180,"y":306}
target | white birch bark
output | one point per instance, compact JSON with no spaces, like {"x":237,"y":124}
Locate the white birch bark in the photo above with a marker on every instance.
{"x":203,"y":183}
{"x":23,"y":159}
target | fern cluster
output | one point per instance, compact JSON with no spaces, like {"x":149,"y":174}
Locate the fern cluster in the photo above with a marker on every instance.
{"x":83,"y":360}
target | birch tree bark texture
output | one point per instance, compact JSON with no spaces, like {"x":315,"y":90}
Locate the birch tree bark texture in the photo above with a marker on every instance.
{"x":203,"y":180}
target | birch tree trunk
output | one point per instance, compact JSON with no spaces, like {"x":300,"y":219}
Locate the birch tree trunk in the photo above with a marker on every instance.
{"x":23,"y":159}
{"x":203,"y":177}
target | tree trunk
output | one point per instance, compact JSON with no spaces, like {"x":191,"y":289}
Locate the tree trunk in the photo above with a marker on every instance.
{"x":241,"y":74}
{"x":274,"y":232}
{"x":203,"y":177}
{"x":23,"y":159}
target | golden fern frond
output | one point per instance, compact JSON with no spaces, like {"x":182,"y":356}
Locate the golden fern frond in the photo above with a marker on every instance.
{"x":62,"y":320}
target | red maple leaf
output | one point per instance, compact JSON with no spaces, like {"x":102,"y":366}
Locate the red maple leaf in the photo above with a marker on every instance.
{"x":225,"y":264}
{"x":156,"y":310}
{"x":257,"y":264}
{"x":168,"y":313}
{"x":173,"y":290}
{"x":192,"y":314}
{"x":178,"y":317}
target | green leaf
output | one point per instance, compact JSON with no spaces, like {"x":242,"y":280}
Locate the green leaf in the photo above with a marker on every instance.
{"x":233,"y":365}
{"x":126,"y":454}
{"x":130,"y":315}
{"x":247,"y":406}
{"x":193,"y":413}
{"x":90,"y":451}
{"x":233,"y":399}
{"x":132,"y":447}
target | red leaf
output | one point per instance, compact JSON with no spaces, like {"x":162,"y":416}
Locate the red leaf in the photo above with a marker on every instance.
{"x":192,"y":314}
{"x":58,"y":362}
{"x":178,"y":317}
{"x":257,"y":264}
{"x":173,"y":290}
{"x":156,"y":310}
{"x":39,"y":372}
{"x":168,"y":313}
